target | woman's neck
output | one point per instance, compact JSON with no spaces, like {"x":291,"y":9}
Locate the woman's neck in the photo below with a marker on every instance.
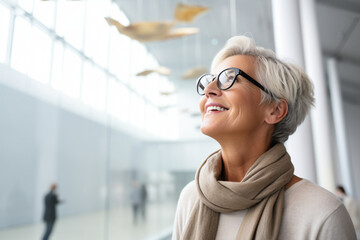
{"x":239,"y":157}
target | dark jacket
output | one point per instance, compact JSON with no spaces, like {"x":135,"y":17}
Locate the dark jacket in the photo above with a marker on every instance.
{"x":50,"y":206}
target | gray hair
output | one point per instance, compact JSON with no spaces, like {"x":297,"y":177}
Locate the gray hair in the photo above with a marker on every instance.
{"x":284,"y":80}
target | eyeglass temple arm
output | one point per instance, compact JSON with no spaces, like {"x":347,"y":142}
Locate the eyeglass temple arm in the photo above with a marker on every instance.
{"x":254,"y":82}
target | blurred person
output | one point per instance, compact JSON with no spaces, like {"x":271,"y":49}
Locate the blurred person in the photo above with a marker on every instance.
{"x":352,"y":206}
{"x":135,"y":196}
{"x":50,"y":201}
{"x":143,"y":201}
{"x":251,"y":103}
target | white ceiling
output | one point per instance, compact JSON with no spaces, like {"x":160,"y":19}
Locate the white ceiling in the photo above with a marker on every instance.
{"x":339,"y":30}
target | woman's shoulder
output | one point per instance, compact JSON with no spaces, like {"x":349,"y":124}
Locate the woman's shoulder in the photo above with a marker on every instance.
{"x":305,"y":192}
{"x":187,"y":200}
{"x":188,"y":195}
{"x":312,"y":212}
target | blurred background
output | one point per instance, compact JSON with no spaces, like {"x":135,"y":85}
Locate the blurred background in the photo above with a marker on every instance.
{"x":99,"y":95}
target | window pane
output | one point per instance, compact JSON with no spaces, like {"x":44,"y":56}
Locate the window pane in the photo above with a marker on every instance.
{"x":57,"y":66}
{"x":44,"y":12}
{"x":39,"y":63}
{"x":27,"y":5}
{"x":166,"y":86}
{"x":138,"y":84}
{"x":152,"y":88}
{"x":118,"y":14}
{"x":137,"y":111}
{"x":169,"y":123}
{"x":70,"y":21}
{"x":4,"y":31}
{"x":138,"y":56}
{"x":94,"y":87}
{"x":118,"y":100}
{"x":119,"y":55}
{"x":21,"y":45}
{"x":97,"y":31}
{"x":152,"y":82}
{"x":119,"y":52}
{"x":152,"y":119}
{"x":71,"y":76}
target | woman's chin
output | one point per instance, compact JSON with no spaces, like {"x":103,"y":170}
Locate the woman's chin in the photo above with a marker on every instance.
{"x":209,"y":131}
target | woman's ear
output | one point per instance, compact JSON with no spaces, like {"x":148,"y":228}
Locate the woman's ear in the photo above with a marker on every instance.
{"x":276,"y":112}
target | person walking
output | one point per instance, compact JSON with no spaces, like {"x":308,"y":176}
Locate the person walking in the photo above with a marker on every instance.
{"x":50,"y":201}
{"x":352,"y":206}
{"x":135,"y":196}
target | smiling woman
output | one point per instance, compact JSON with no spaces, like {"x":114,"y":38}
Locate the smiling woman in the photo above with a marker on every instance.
{"x":251,"y":103}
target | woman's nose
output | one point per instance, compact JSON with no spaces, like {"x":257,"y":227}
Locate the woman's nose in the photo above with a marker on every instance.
{"x":212,"y":88}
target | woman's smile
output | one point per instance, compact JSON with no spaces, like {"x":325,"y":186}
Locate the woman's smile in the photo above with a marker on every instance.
{"x":214,"y":108}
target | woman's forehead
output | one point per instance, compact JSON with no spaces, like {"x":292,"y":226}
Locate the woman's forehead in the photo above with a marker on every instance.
{"x":244,"y":62}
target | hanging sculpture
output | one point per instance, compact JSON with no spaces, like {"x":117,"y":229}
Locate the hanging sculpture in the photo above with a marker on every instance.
{"x":160,"y":70}
{"x":148,"y":31}
{"x":187,"y":13}
{"x":194,"y":73}
{"x":167,"y":93}
{"x":151,"y":31}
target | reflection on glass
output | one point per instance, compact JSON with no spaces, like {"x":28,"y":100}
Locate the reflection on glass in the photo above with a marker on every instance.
{"x":94,"y":87}
{"x":71,"y":76}
{"x":44,"y":12}
{"x":21,"y":47}
{"x":70,"y":21}
{"x":4,"y":31}
{"x":39,"y":59}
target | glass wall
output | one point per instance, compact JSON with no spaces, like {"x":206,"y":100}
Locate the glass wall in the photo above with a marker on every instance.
{"x":74,"y":113}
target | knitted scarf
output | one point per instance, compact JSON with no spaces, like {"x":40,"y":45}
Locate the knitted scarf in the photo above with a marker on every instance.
{"x":261,"y":192}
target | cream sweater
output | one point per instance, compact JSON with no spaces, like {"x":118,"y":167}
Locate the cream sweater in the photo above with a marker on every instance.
{"x":310,"y":212}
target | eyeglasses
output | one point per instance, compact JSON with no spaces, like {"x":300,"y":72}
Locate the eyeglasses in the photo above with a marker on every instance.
{"x":226,"y":79}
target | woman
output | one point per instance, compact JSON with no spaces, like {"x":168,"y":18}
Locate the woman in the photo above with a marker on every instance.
{"x":247,"y":189}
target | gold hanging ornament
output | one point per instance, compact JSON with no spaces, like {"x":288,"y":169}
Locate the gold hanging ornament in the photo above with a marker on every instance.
{"x":151,"y":31}
{"x":187,"y":13}
{"x":160,"y":70}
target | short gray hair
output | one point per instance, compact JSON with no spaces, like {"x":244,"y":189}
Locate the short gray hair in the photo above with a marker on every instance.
{"x":284,"y":80}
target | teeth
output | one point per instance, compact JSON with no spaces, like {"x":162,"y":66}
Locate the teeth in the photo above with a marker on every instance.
{"x":217,"y":108}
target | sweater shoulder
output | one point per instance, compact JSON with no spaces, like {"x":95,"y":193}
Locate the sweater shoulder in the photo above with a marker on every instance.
{"x":186,"y":202}
{"x":188,"y":196}
{"x":307,"y":209}
{"x":310,"y":195}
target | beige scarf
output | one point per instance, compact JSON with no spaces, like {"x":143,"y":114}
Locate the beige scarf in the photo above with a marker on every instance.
{"x":261,"y":191}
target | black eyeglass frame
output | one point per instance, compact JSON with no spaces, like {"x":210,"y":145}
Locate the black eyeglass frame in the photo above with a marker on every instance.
{"x":238,"y":72}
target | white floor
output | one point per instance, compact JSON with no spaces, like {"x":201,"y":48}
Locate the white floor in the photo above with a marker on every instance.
{"x":157,"y":224}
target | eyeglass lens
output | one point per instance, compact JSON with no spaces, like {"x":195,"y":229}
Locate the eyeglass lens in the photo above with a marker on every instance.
{"x":225,"y":79}
{"x":204,"y":81}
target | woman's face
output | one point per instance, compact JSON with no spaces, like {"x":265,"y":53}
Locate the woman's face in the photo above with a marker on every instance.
{"x":240,"y":112}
